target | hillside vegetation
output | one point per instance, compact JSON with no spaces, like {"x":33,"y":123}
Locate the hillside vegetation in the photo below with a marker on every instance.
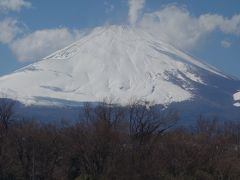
{"x":125,"y":143}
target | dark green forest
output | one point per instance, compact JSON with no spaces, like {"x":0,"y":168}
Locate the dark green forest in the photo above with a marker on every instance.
{"x":108,"y":143}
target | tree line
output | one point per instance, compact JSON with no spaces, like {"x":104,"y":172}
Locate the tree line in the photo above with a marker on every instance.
{"x":110,"y":143}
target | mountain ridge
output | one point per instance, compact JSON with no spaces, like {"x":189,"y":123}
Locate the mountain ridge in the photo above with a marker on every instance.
{"x":117,"y":62}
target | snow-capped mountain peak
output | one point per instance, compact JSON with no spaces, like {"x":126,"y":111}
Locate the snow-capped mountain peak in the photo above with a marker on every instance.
{"x":116,"y":62}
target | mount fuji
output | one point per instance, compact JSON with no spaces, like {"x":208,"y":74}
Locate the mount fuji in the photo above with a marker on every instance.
{"x":124,"y":64}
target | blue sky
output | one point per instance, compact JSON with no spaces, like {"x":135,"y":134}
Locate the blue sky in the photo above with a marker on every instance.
{"x":208,"y":30}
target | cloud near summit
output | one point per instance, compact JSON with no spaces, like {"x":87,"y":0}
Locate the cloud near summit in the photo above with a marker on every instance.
{"x":41,"y":43}
{"x":176,"y":25}
{"x":171,"y":23}
{"x":135,"y":7}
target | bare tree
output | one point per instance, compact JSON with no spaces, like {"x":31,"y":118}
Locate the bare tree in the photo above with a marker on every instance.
{"x":6,"y":114}
{"x":150,"y":121}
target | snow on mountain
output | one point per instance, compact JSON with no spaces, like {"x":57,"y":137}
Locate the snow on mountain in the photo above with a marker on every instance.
{"x":236,"y":98}
{"x":116,"y":62}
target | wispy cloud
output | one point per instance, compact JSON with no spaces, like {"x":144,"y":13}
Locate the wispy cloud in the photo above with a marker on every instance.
{"x":109,"y":7}
{"x":226,"y":44}
{"x":9,"y":29}
{"x":135,"y":7}
{"x":41,"y":43}
{"x":177,"y":26}
{"x":13,"y":5}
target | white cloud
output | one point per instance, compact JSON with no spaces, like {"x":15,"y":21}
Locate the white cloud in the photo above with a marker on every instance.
{"x":173,"y":24}
{"x":43,"y":42}
{"x":225,"y":44}
{"x":13,"y":5}
{"x":177,"y":26}
{"x":135,"y":6}
{"x":8,"y":30}
{"x":211,"y":22}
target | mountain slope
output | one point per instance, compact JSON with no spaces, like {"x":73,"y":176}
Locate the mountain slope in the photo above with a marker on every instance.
{"x":236,"y":97}
{"x":120,"y":63}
